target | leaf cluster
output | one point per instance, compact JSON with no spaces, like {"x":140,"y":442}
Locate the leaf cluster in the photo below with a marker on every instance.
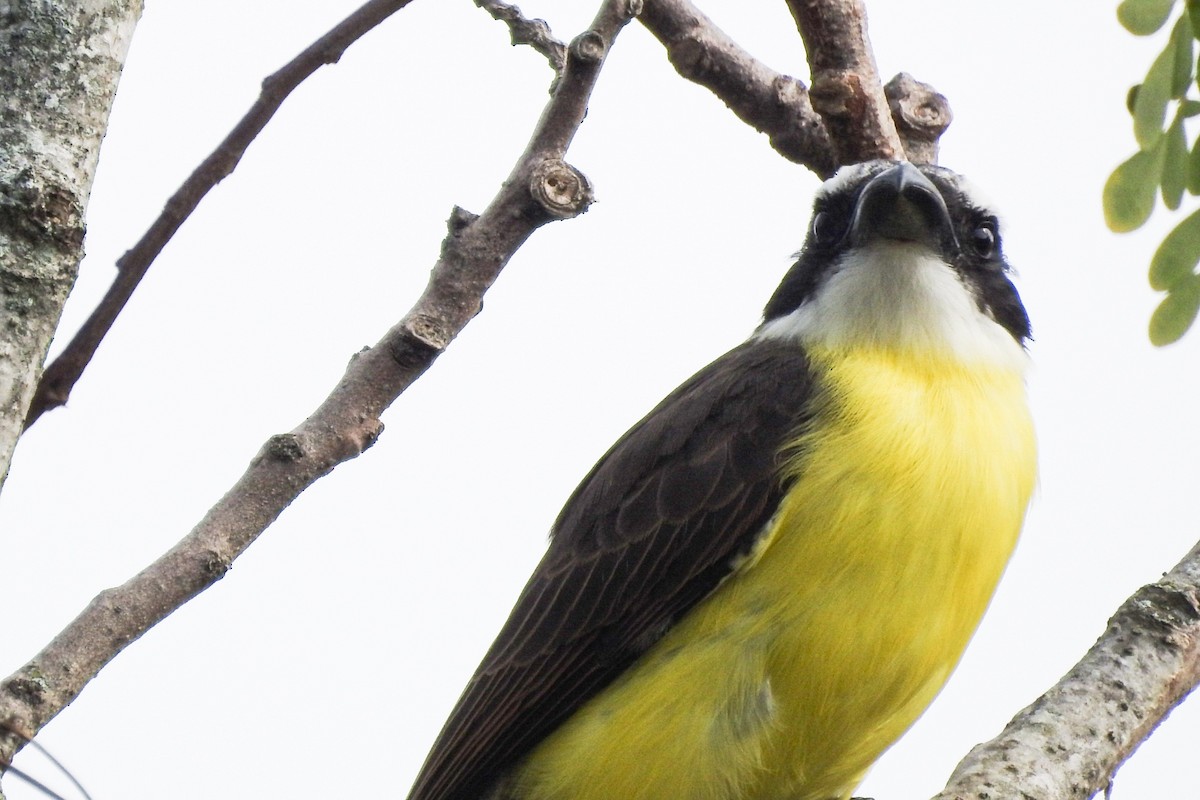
{"x":1165,"y":163}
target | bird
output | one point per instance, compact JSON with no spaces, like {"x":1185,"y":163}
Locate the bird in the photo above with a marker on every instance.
{"x":767,"y":579}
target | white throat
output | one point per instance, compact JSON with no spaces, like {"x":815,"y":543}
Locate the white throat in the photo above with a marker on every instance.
{"x":898,"y":295}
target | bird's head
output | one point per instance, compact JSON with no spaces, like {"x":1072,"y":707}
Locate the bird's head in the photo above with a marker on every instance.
{"x":901,"y":256}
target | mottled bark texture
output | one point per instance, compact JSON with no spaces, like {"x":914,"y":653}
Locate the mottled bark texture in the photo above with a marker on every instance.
{"x":1069,"y":744}
{"x":59,"y":68}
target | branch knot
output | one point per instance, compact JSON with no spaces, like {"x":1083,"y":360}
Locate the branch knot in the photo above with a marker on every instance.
{"x":427,"y":331}
{"x":837,"y":95}
{"x":921,"y":115}
{"x":560,"y":189}
{"x":284,"y":447}
{"x":588,"y":47}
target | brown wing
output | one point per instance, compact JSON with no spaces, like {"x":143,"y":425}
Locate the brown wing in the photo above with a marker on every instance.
{"x":650,"y":531}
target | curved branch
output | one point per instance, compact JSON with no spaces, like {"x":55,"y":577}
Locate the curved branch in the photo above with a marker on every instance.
{"x":846,"y":89}
{"x":539,"y":189}
{"x":1072,"y":740}
{"x":61,"y":376}
{"x":771,"y":102}
{"x":533,"y":32}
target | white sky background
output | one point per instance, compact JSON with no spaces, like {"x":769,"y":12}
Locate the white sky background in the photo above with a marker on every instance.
{"x":325,"y":662}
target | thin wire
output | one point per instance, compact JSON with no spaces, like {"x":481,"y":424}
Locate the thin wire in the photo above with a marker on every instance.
{"x":34,"y":782}
{"x":59,"y":766}
{"x":29,"y":779}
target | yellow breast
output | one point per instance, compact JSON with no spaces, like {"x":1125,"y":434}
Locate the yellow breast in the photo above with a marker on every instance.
{"x":909,"y":491}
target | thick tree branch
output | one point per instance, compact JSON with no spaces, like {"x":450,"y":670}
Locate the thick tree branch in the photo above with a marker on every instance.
{"x":62,"y":375}
{"x":58,"y":76}
{"x":782,"y":107}
{"x":846,"y":89}
{"x":772,"y":103}
{"x":533,"y":32}
{"x":1071,"y":741}
{"x":540,"y":188}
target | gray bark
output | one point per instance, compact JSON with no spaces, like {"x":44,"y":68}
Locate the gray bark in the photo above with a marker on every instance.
{"x":1071,"y":742}
{"x":58,"y":75}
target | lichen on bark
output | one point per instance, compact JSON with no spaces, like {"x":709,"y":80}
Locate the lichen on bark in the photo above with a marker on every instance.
{"x":58,"y":79}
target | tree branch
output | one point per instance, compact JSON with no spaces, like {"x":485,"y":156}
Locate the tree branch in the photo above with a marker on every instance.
{"x":1072,"y":740}
{"x":533,"y":32}
{"x":60,"y":70}
{"x":771,"y":102}
{"x":846,"y":89}
{"x":62,"y":375}
{"x":782,"y":107}
{"x":921,"y":115}
{"x":540,"y":188}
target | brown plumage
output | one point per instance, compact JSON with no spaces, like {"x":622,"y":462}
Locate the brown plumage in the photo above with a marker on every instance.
{"x":652,"y":530}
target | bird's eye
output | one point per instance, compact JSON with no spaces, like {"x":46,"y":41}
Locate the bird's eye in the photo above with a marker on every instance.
{"x":824,"y":228}
{"x":984,"y":238}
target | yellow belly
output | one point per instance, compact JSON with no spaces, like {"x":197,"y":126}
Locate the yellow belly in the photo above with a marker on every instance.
{"x":791,"y":679}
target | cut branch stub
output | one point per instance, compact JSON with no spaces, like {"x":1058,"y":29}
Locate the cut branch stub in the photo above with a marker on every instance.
{"x":921,"y":115}
{"x":560,"y":189}
{"x":588,"y":47}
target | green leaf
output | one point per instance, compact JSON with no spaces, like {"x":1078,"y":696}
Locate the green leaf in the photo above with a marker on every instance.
{"x":1129,"y":191}
{"x":1181,"y":78}
{"x":1176,"y":313}
{"x":1193,"y":177}
{"x":1193,"y":10}
{"x":1144,"y":17}
{"x":1177,"y":256}
{"x":1189,"y":108}
{"x":1150,"y":108}
{"x":1175,"y":164}
{"x":1131,"y":97}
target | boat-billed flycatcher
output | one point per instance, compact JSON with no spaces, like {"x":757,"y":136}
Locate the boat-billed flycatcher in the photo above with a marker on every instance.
{"x":768,"y":579}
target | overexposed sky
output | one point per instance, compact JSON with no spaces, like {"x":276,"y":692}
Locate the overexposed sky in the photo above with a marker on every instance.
{"x":326,"y":661}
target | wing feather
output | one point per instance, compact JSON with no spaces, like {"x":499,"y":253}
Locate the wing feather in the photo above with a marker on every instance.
{"x":654,"y":527}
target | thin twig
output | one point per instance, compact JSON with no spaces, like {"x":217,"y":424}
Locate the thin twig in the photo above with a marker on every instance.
{"x":61,"y":376}
{"x":771,"y":102}
{"x":846,"y":89}
{"x":540,"y":188}
{"x":534,"y":32}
